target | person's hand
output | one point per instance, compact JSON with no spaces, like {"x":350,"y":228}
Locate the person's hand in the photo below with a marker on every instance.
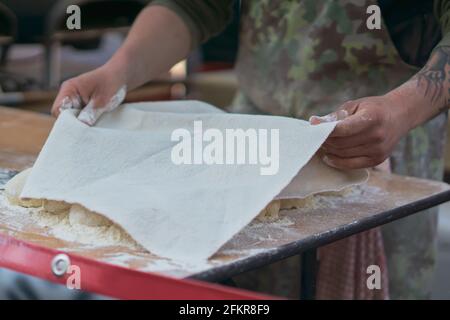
{"x":367,"y":133}
{"x":95,"y":92}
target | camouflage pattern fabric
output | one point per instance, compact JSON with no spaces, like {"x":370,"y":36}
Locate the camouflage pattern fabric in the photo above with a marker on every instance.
{"x":306,"y":57}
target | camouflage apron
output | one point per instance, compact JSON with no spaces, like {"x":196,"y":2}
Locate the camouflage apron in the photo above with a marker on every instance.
{"x":306,"y":57}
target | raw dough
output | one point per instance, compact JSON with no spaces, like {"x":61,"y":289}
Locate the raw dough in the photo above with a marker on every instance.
{"x":272,"y":211}
{"x":69,"y":222}
{"x":56,"y":207}
{"x":14,"y":188}
{"x":79,"y":215}
{"x":308,"y":202}
{"x":60,"y":226}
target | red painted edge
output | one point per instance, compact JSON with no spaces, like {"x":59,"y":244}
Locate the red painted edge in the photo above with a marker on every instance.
{"x":111,"y":280}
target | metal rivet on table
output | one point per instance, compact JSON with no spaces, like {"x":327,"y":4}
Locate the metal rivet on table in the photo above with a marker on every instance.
{"x":60,"y":264}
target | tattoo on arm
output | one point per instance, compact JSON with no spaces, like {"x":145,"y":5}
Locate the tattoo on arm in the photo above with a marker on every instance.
{"x":435,"y":78}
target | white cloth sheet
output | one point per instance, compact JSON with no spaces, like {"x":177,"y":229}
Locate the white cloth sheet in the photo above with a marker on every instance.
{"x":122,"y":168}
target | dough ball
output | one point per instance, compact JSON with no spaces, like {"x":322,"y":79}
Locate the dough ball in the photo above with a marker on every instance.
{"x":56,"y":207}
{"x":79,"y":215}
{"x":270,"y":212}
{"x":29,"y":203}
{"x":14,"y":188}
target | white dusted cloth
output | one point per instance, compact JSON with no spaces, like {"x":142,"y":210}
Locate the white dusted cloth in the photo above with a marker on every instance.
{"x":122,"y":168}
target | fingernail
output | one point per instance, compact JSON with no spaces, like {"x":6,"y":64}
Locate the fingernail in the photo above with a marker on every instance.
{"x":328,"y":118}
{"x":314,"y":118}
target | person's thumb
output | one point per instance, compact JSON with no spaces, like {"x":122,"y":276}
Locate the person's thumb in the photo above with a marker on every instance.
{"x":345,"y":110}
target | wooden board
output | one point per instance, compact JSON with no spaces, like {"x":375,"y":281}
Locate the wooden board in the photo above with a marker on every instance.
{"x":22,"y":135}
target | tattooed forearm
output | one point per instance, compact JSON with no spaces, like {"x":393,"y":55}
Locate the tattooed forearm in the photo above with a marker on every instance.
{"x":434,"y":78}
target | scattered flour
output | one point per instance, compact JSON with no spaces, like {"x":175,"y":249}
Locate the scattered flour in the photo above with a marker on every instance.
{"x":59,"y":225}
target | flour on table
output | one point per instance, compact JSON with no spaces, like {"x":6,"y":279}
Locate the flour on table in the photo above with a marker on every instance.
{"x":68,"y":222}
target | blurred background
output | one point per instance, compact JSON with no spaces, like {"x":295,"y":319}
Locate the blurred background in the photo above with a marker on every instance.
{"x":37,"y":53}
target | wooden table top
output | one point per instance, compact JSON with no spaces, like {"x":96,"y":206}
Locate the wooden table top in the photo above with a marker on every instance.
{"x":22,"y":135}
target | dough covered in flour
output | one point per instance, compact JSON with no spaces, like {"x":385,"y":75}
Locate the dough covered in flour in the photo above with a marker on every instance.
{"x":270,"y":212}
{"x":79,"y":215}
{"x":14,"y":188}
{"x":66,"y":221}
{"x":310,"y":202}
{"x":56,"y":207}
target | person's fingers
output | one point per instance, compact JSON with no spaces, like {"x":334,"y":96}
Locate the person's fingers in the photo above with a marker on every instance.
{"x":350,"y":163}
{"x":365,"y":150}
{"x":101,"y":104}
{"x":93,"y":110}
{"x":334,"y":116}
{"x":345,"y":110}
{"x":358,"y":151}
{"x":350,"y":106}
{"x":117,"y":98}
{"x":67,"y":95}
{"x":90,"y":114}
{"x":362,"y":138}
{"x":354,"y":124}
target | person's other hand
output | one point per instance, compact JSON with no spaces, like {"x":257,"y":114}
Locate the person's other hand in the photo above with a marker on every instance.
{"x":95,"y":92}
{"x":367,"y":133}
